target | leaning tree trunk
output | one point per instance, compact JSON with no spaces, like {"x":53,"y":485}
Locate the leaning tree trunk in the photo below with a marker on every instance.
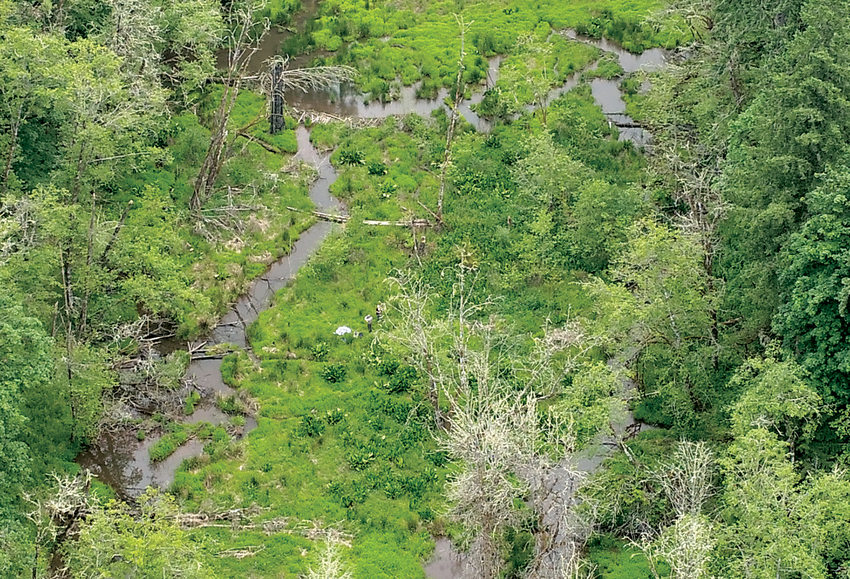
{"x":242,"y":42}
{"x":276,"y":123}
{"x":214,"y":158}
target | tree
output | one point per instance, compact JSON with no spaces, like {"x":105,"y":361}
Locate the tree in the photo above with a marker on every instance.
{"x":243,"y":38}
{"x":765,"y":531}
{"x":164,"y":42}
{"x":508,"y":448}
{"x":581,"y":220}
{"x":25,"y":366}
{"x":450,"y":131}
{"x":793,"y":129}
{"x":528,"y":78}
{"x":686,"y":544}
{"x":658,"y":313}
{"x":331,"y":565}
{"x":775,"y":396}
{"x":28,"y":86}
{"x":814,"y":319}
{"x":113,"y":542}
{"x":436,"y":347}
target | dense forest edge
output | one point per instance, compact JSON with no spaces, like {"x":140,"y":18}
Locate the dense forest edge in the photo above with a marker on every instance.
{"x":398,"y":288}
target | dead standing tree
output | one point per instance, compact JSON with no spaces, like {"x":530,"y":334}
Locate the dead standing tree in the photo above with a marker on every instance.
{"x":510,"y":451}
{"x":427,"y":339}
{"x":450,"y":133}
{"x":243,"y":39}
{"x":505,"y":453}
{"x":279,"y":79}
{"x":686,"y":543}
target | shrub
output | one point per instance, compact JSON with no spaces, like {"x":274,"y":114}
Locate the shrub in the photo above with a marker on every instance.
{"x":376,"y":168}
{"x":334,"y":416}
{"x":311,"y":426}
{"x":333,"y":373}
{"x":388,"y":367}
{"x":360,"y":458}
{"x":402,"y":380}
{"x":230,"y":404}
{"x":320,"y":351}
{"x":189,"y":406}
{"x":350,"y":157}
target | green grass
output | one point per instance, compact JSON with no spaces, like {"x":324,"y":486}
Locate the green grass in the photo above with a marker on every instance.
{"x":343,"y":432}
{"x":615,"y":559}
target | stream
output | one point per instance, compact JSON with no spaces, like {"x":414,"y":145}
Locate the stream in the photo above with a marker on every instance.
{"x":118,"y":459}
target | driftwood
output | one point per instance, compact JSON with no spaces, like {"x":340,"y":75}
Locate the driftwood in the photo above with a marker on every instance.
{"x":248,"y":551}
{"x":408,"y":223}
{"x":322,"y":215}
{"x":318,"y":117}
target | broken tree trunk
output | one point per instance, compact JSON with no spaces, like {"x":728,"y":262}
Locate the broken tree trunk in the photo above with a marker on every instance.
{"x":276,"y":123}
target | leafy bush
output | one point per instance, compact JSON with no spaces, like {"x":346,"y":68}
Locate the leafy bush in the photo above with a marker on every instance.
{"x":360,"y":458}
{"x":311,"y":426}
{"x":376,"y":168}
{"x":333,"y":373}
{"x":351,"y":157}
{"x":334,"y":416}
{"x":402,"y":381}
{"x":320,"y":351}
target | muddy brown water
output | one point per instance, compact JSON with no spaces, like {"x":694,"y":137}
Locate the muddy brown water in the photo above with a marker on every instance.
{"x":120,"y":460}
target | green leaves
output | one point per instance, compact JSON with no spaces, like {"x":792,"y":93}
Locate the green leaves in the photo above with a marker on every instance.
{"x":775,"y":397}
{"x":114,"y":543}
{"x":25,"y":368}
{"x":813,"y":318}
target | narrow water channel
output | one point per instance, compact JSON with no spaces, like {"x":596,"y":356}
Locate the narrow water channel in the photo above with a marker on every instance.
{"x":118,"y":458}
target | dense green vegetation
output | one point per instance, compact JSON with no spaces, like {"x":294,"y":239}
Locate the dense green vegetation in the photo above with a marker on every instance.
{"x":534,"y":293}
{"x":406,"y":42}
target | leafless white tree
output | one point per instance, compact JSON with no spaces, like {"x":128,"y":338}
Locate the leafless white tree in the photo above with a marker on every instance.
{"x":509,"y":451}
{"x":684,"y":545}
{"x":437,"y":347}
{"x":56,"y":515}
{"x":686,"y":477}
{"x":463,"y":27}
{"x":331,"y":565}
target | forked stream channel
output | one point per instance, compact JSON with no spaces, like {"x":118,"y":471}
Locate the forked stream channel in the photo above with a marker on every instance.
{"x":123,"y":462}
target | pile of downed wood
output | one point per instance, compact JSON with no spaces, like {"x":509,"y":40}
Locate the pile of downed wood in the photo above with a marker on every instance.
{"x":337,"y":218}
{"x":318,"y":117}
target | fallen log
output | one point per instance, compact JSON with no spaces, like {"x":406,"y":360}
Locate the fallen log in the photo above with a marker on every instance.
{"x":268,"y":147}
{"x":322,"y":215}
{"x":345,"y":218}
{"x":409,"y":223}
